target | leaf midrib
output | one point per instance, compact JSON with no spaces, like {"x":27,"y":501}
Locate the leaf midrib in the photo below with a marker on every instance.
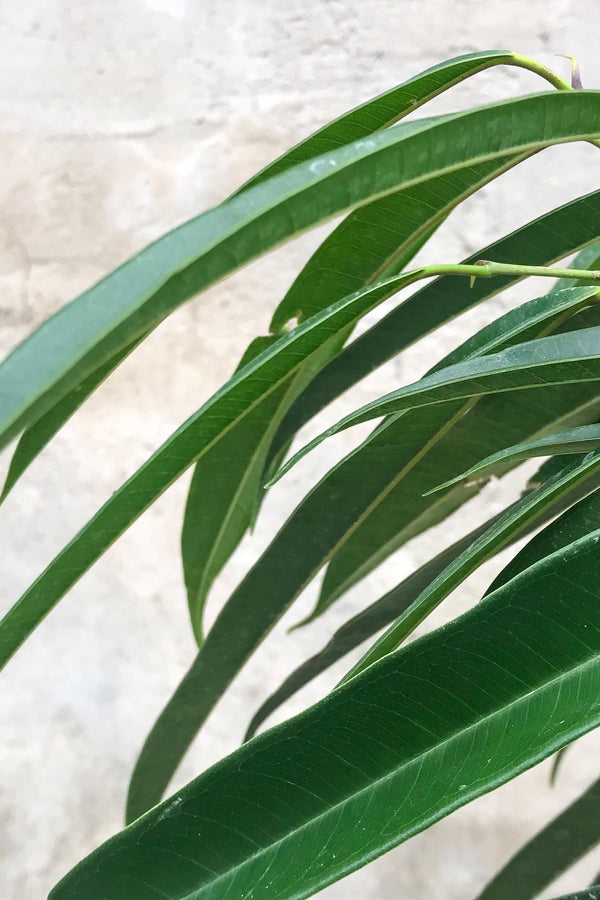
{"x":427,"y":124}
{"x":416,"y":760}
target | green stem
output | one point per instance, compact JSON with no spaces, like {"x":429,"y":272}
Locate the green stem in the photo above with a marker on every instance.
{"x":482,"y":269}
{"x":523,"y":62}
{"x":486,"y":269}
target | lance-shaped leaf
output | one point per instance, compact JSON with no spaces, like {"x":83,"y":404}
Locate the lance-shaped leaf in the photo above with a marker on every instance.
{"x":575,"y":440}
{"x":401,"y":512}
{"x":558,"y":359}
{"x":141,"y":293}
{"x":222,"y":498}
{"x":281,"y":574}
{"x":391,"y":106}
{"x":358,"y":123}
{"x":539,"y":242}
{"x":497,"y":536}
{"x":223,"y":501}
{"x":578,"y":521}
{"x":380,"y":758}
{"x":202,"y":431}
{"x":366,"y":623}
{"x":551,"y":852}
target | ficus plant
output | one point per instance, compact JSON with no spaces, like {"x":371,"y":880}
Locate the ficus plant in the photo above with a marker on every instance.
{"x":414,"y":730}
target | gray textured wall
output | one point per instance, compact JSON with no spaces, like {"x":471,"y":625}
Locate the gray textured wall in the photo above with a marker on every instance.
{"x":117,"y":122}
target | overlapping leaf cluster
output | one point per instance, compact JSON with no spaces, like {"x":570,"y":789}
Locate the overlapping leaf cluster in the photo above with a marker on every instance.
{"x":413,"y":731}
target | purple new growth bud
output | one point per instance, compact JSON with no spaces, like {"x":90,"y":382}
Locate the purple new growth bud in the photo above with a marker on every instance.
{"x":575,"y":73}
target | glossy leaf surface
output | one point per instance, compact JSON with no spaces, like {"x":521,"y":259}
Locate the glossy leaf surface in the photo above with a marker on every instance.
{"x":379,"y":759}
{"x":358,"y":123}
{"x":540,"y":242}
{"x":500,"y":532}
{"x":280,"y":575}
{"x":366,"y":623}
{"x":86,"y":333}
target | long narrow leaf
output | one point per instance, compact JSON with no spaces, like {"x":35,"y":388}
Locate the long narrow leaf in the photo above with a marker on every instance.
{"x":384,"y":527}
{"x":578,"y":521}
{"x":559,"y":359}
{"x":379,"y":759}
{"x":385,"y":610}
{"x":497,"y":536}
{"x":393,"y":105}
{"x":225,"y":410}
{"x":223,"y":501}
{"x":540,"y":242}
{"x":220,"y":659}
{"x":576,"y":440}
{"x":358,"y":123}
{"x":127,"y":304}
{"x":281,"y":573}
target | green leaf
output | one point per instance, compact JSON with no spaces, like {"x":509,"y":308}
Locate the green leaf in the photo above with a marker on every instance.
{"x":391,"y":106}
{"x":358,"y":123}
{"x":578,"y":521}
{"x":561,"y":443}
{"x":379,"y":759}
{"x":281,"y":574}
{"x":551,"y":852}
{"x":366,"y":623}
{"x":222,"y":502}
{"x":379,"y":239}
{"x":558,"y":359}
{"x":540,"y":242}
{"x":202,"y":431}
{"x":497,"y":536}
{"x":591,"y":893}
{"x":222,"y":498}
{"x":136,"y":297}
{"x":36,"y":437}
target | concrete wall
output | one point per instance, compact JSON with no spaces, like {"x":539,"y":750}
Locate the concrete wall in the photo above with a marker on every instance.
{"x":118,"y":121}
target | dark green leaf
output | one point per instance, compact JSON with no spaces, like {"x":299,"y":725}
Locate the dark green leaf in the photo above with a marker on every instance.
{"x":358,"y":123}
{"x":386,"y":526}
{"x":382,"y":612}
{"x":558,"y":359}
{"x":504,"y":529}
{"x":561,"y":443}
{"x":224,"y":411}
{"x":380,"y":758}
{"x":269,"y":588}
{"x":327,"y":518}
{"x":391,"y":106}
{"x":540,"y":242}
{"x":131,"y":301}
{"x":577,"y":522}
